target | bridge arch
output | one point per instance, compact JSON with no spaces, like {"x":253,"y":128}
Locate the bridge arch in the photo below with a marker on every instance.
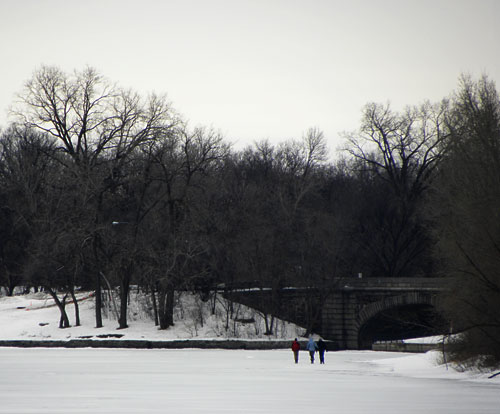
{"x":374,"y":316}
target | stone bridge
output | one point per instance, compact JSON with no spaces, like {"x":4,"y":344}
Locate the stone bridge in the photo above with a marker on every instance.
{"x":353,"y":313}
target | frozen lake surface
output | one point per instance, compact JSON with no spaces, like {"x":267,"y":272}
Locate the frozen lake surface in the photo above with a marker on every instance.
{"x":73,"y":381}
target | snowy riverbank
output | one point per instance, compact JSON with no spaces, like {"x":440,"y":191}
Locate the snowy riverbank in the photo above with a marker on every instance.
{"x":35,"y":317}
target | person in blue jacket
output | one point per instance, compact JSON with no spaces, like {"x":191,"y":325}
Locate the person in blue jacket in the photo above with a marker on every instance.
{"x":311,"y":347}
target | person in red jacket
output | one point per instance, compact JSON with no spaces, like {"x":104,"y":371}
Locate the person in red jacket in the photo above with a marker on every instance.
{"x":296,"y":349}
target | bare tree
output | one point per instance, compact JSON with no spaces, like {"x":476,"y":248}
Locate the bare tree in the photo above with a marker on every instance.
{"x":402,"y":148}
{"x":398,"y":154}
{"x":467,"y":202}
{"x":99,"y":126}
{"x":181,"y":165}
{"x":25,"y":165}
{"x":270,"y":228}
{"x":297,"y":161}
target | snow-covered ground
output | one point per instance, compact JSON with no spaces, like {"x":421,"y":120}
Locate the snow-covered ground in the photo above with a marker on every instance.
{"x":35,"y":316}
{"x":119,"y":381}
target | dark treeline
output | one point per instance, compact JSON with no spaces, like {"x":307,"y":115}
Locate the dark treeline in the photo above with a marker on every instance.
{"x":102,"y":188}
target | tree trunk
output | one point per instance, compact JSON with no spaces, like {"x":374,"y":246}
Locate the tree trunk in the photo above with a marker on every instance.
{"x":273,"y":319}
{"x":98,"y":301}
{"x":162,"y":293}
{"x":214,"y":301}
{"x":169,"y":306}
{"x":11,"y":283}
{"x":111,"y":298}
{"x":155,"y":305}
{"x":77,"y":308}
{"x":269,"y":328}
{"x":98,"y":291}
{"x":166,"y":307}
{"x":124,"y":289}
{"x":63,"y":321}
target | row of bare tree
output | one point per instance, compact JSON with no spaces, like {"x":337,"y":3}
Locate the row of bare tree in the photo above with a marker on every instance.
{"x":441,"y":166}
{"x":102,"y":188}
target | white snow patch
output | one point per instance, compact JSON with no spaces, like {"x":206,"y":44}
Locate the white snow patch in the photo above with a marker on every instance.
{"x":36,"y":316}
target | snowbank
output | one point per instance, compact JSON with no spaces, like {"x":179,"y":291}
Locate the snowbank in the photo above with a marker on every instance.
{"x":36,"y":317}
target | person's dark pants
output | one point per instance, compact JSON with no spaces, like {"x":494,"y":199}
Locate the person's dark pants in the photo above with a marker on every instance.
{"x":296,"y":356}
{"x":321,"y":357}
{"x":311,"y":354}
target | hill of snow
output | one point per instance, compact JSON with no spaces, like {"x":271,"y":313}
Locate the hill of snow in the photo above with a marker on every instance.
{"x":35,"y":316}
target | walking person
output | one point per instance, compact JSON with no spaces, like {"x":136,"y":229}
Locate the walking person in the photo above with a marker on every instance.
{"x":321,"y":351}
{"x":296,"y":349}
{"x":311,"y":347}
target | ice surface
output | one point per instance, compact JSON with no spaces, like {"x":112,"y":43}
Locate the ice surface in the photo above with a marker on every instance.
{"x":71,"y":381}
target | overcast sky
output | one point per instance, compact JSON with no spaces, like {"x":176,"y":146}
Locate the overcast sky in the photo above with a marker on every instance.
{"x":258,"y":69}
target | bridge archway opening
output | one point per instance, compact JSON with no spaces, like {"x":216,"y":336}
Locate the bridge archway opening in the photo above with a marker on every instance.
{"x":402,"y":322}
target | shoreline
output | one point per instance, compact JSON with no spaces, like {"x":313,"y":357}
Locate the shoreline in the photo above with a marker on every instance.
{"x":149,"y":344}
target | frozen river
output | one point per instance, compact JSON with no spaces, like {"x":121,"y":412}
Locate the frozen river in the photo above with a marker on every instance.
{"x":69,"y":381}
